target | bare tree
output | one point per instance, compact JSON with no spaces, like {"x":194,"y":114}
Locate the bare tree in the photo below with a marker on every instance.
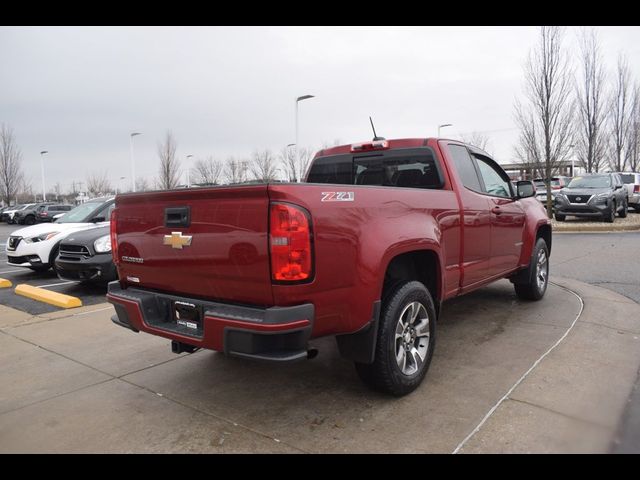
{"x":619,"y":116}
{"x":25,"y":190}
{"x":287,"y":158}
{"x":633,"y":141}
{"x":545,"y":120}
{"x":305,"y":155}
{"x":477,"y":139}
{"x":142,"y":184}
{"x":235,"y":171}
{"x":295,"y":168}
{"x":98,"y":183}
{"x":169,"y":173}
{"x":263,"y":166}
{"x":10,"y":168}
{"x":208,"y":171}
{"x":590,"y":140}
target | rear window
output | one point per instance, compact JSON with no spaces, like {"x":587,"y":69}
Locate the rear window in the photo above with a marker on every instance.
{"x":628,"y":177}
{"x":405,"y":168}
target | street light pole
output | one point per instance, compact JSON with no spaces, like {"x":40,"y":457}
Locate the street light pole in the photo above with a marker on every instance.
{"x":188,"y":172}
{"x":44,"y":193}
{"x":133,"y":164}
{"x":299,"y":99}
{"x":442,"y":126}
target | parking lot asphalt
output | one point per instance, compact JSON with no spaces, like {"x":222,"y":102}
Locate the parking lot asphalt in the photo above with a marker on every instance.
{"x":88,"y":294}
{"x":507,"y":376}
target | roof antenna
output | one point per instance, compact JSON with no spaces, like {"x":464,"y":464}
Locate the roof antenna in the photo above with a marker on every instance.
{"x":375,"y":135}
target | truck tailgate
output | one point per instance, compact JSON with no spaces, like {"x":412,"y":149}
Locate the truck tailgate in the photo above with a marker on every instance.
{"x":220,"y":252}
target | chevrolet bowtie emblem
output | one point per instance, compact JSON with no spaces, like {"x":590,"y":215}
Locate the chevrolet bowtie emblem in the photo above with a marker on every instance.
{"x":177,"y":240}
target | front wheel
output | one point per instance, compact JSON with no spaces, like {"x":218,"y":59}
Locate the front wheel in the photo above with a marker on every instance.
{"x":610,"y":216}
{"x":537,"y":278}
{"x":30,"y":220}
{"x":560,"y":217}
{"x":623,"y":212}
{"x":405,"y":343}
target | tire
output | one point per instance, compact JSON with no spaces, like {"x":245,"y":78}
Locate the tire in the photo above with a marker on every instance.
{"x":623,"y":212}
{"x":397,"y":336}
{"x":560,"y":217}
{"x":30,"y":220}
{"x":537,"y":277}
{"x":610,"y":216}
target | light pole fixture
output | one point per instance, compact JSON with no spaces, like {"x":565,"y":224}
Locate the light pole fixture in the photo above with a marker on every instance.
{"x":298,"y":100}
{"x":44,"y":193}
{"x":133,"y":164}
{"x":188,"y":173}
{"x":442,"y":126}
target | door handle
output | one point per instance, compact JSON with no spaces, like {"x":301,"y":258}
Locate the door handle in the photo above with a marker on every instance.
{"x":496,"y":210}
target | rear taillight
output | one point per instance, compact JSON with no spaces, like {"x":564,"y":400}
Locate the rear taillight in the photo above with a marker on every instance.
{"x":636,"y":189}
{"x":114,"y":238}
{"x":290,"y":243}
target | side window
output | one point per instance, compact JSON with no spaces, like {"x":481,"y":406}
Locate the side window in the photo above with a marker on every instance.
{"x":465,"y":167}
{"x":493,"y":182}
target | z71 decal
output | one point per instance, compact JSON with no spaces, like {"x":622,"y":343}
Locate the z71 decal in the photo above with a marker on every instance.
{"x":338,"y":196}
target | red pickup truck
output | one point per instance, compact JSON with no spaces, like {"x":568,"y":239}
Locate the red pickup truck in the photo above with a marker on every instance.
{"x":366,"y":250}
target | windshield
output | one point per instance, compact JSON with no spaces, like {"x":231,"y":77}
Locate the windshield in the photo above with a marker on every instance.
{"x":80,"y":214}
{"x":592,"y":181}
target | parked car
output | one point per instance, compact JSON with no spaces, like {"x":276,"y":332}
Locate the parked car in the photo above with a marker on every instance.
{"x":631,"y":180}
{"x":599,"y":195}
{"x":36,"y":247}
{"x":367,"y":250}
{"x":9,"y":215}
{"x":46,"y":213}
{"x":86,"y":256}
{"x":556,"y":184}
{"x":27,"y":216}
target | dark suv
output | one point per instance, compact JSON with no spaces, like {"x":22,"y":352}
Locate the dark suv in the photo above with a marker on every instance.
{"x":599,"y":195}
{"x":27,"y":216}
{"x":45,"y":213}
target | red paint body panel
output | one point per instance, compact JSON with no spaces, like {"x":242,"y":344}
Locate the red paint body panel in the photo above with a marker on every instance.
{"x":477,"y":238}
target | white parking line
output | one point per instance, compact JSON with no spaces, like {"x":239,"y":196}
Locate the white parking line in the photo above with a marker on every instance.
{"x":11,"y":271}
{"x":54,"y":284}
{"x":535,"y":364}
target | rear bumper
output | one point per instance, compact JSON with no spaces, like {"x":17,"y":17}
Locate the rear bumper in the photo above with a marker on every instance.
{"x":275,"y":334}
{"x":99,"y":268}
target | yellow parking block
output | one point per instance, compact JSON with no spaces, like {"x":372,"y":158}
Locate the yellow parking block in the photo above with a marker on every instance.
{"x":47,"y":296}
{"x":4,"y":283}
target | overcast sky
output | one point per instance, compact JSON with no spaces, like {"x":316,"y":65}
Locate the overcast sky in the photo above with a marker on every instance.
{"x":79,"y":91}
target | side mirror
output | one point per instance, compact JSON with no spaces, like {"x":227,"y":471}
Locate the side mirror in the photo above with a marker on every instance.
{"x":97,"y":219}
{"x":618,"y":187}
{"x":525,"y":189}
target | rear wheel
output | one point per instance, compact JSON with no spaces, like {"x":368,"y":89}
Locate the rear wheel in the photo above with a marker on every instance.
{"x":406,"y":339}
{"x":535,"y":284}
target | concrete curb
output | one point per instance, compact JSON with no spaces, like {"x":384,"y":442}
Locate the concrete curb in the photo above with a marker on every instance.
{"x":590,"y":229}
{"x":574,"y":399}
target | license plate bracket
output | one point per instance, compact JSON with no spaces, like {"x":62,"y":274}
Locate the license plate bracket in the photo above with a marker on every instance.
{"x":187,"y":316}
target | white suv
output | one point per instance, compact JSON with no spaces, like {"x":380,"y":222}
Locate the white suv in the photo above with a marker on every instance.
{"x":631,"y":181}
{"x":36,"y":247}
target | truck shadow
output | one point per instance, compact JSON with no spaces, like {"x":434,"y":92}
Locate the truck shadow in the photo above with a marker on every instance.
{"x":486,"y":340}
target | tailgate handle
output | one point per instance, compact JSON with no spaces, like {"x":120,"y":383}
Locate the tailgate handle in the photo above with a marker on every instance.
{"x":177,"y":217}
